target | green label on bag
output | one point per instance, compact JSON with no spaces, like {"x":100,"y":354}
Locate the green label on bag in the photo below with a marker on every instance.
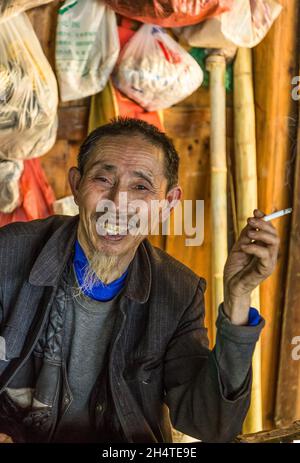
{"x":66,"y":8}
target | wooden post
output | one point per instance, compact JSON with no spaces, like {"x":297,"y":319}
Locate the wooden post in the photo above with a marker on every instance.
{"x":288,"y":390}
{"x":274,"y":66}
{"x":216,"y":65}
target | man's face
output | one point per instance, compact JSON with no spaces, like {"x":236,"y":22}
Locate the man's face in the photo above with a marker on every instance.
{"x":122,"y":164}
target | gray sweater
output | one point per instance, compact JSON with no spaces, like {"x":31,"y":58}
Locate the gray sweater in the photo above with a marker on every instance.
{"x":87,"y":333}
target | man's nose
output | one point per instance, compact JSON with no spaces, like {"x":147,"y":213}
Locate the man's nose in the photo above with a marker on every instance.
{"x":118,"y":196}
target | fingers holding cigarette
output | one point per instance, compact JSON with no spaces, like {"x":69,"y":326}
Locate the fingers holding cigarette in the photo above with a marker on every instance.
{"x":258,"y":224}
{"x":260,"y":221}
{"x":265,"y":237}
{"x":259,"y":251}
{"x":254,"y":255}
{"x":263,"y":240}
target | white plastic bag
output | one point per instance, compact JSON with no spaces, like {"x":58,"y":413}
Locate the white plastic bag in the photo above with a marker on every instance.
{"x":249,"y":21}
{"x":207,"y":34}
{"x":10,"y":173}
{"x":65,"y":206}
{"x":245,"y":25}
{"x":87,"y":47}
{"x":28,"y":93}
{"x":9,"y":8}
{"x":155,"y":71}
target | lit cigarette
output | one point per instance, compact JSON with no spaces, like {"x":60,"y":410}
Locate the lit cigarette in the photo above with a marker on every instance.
{"x":277,"y":214}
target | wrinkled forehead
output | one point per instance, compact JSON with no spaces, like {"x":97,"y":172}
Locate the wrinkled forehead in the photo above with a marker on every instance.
{"x":126,"y":152}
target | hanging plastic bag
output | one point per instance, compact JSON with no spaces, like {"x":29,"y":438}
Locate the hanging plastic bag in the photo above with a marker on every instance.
{"x":65,"y":206}
{"x":155,"y":71}
{"x":207,"y":34}
{"x":111,"y":103}
{"x":245,"y":25}
{"x":10,"y":173}
{"x":36,"y":196}
{"x":28,"y":93}
{"x":249,"y":21}
{"x":9,"y":8}
{"x":170,"y":13}
{"x":87,"y":48}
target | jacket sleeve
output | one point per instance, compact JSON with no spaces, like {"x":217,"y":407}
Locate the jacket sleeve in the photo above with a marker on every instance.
{"x":208,"y":392}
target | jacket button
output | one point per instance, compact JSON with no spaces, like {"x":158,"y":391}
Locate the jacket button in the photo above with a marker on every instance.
{"x":99,"y":408}
{"x":66,"y":400}
{"x":146,"y":381}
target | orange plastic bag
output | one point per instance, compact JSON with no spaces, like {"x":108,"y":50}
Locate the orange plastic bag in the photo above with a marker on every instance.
{"x":128,"y":108}
{"x":170,"y":13}
{"x":36,"y":195}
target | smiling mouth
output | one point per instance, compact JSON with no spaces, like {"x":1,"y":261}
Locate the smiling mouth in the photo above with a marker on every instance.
{"x":115,"y":229}
{"x":113,"y":237}
{"x":111,"y":229}
{"x":112,"y":232}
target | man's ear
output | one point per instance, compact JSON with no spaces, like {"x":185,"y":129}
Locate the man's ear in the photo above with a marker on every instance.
{"x":74,"y":181}
{"x":173,"y":196}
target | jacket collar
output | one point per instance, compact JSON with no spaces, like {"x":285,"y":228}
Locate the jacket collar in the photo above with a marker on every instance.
{"x":140,"y":276}
{"x":51,"y":261}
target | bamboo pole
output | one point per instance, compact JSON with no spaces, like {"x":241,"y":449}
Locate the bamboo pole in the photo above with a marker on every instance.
{"x":216,"y":65}
{"x":246,"y":178}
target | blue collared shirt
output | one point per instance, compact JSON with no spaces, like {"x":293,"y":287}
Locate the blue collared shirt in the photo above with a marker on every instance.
{"x":100,"y":291}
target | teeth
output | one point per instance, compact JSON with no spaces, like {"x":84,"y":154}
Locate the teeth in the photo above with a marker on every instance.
{"x":114,"y":229}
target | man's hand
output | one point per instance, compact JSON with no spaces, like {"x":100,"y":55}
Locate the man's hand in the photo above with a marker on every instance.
{"x":5,"y":439}
{"x":248,"y":264}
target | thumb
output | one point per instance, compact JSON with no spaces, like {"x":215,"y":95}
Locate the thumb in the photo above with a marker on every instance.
{"x":258,"y":213}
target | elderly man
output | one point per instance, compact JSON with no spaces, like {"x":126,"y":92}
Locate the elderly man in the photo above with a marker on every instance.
{"x":102,"y":334}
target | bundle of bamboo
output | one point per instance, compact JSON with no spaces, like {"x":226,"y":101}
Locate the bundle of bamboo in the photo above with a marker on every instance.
{"x":216,"y":65}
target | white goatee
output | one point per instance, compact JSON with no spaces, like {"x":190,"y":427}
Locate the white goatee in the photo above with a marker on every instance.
{"x":100,"y":267}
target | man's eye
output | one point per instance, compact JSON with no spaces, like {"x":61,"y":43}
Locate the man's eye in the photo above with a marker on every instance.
{"x":102,"y":179}
{"x":140,"y":187}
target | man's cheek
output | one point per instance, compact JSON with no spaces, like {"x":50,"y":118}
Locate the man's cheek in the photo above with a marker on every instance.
{"x":89,"y":203}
